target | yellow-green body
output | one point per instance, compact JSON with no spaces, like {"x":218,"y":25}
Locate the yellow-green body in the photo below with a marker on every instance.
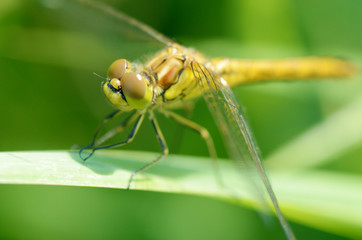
{"x":173,"y":79}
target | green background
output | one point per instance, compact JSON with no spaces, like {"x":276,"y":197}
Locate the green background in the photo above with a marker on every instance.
{"x":51,"y":100}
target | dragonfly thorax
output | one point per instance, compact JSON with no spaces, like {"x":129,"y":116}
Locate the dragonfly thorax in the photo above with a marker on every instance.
{"x":126,"y":89}
{"x":174,"y":77}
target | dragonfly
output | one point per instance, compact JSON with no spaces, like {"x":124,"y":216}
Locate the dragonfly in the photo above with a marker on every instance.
{"x":176,"y":75}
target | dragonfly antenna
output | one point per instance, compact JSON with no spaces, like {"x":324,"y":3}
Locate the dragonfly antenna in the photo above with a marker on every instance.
{"x":100,"y":76}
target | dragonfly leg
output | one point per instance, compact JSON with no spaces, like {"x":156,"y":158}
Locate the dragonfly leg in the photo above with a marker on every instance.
{"x":204,"y":133}
{"x":135,"y":116}
{"x":163,"y":144}
{"x":91,"y":145}
{"x":188,"y":111}
{"x":111,"y":133}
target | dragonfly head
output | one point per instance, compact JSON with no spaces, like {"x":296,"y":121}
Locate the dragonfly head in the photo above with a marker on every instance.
{"x":127,"y":90}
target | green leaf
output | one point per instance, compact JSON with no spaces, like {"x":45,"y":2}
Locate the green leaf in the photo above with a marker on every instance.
{"x":336,"y":134}
{"x":325,"y":200}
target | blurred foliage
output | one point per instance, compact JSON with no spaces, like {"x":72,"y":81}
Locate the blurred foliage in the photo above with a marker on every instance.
{"x":51,"y":100}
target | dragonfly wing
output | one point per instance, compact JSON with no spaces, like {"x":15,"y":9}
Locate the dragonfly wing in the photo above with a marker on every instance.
{"x":128,"y":20}
{"x":238,"y":138}
{"x":90,"y":34}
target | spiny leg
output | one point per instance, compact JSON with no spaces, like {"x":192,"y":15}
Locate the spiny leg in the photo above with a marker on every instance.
{"x":111,"y":133}
{"x":91,"y":145}
{"x":188,"y":108}
{"x":163,"y":144}
{"x":135,"y":116}
{"x":204,"y":133}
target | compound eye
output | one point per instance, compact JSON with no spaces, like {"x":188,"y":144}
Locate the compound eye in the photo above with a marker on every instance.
{"x":117,"y":69}
{"x":133,"y":86}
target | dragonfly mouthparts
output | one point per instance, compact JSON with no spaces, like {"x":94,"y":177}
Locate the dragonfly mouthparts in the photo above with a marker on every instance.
{"x":115,"y":90}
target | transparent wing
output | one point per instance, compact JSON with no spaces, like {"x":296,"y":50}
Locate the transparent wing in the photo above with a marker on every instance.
{"x":238,"y":138}
{"x":83,"y":34}
{"x":127,"y":21}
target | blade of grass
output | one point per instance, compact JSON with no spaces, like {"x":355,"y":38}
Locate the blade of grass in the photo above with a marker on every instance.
{"x":325,"y":200}
{"x":329,"y":201}
{"x":333,"y":136}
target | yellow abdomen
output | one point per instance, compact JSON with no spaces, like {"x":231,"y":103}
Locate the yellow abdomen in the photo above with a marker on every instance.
{"x":236,"y":71}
